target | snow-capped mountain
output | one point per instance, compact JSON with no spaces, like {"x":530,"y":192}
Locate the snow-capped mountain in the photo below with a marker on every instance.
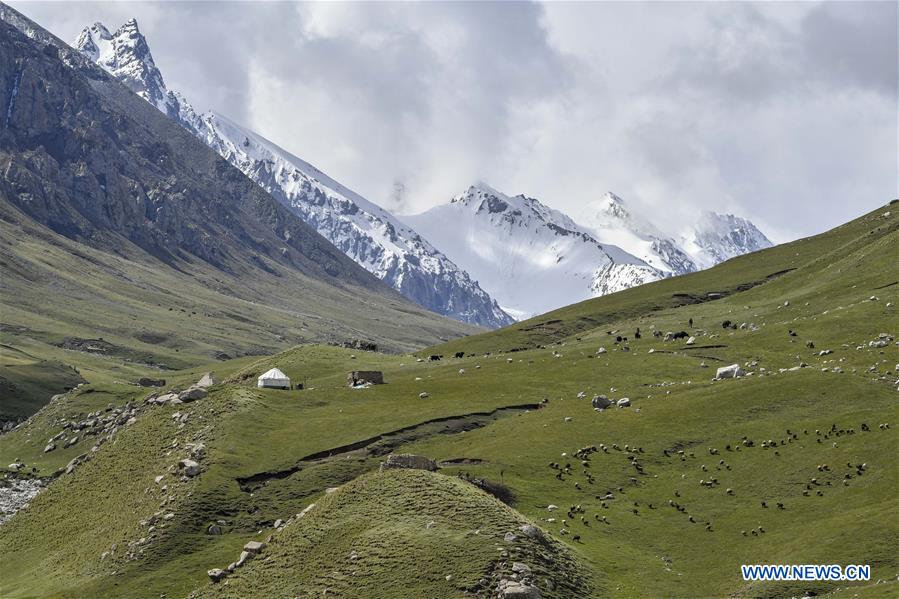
{"x":528,"y":256}
{"x":126,"y":56}
{"x":719,"y":237}
{"x":365,"y":232}
{"x":713,"y":239}
{"x":612,"y":222}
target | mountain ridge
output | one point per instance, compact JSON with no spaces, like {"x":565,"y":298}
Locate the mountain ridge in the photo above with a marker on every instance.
{"x":365,"y":232}
{"x":512,"y":242}
{"x":625,"y":249}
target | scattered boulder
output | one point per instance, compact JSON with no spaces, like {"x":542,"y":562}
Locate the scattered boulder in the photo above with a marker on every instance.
{"x":513,"y":589}
{"x":691,"y":340}
{"x":73,"y":463}
{"x":254,"y":547}
{"x":729,"y":372}
{"x":601,"y":402}
{"x":406,"y":460}
{"x":50,"y":447}
{"x":530,"y":531}
{"x":148,"y":382}
{"x":624,"y":402}
{"x":190,"y":467}
{"x":216,"y":574}
{"x":214,"y":529}
{"x":197,"y":450}
{"x":424,"y":395}
{"x":207,"y":380}
{"x":167,"y":398}
{"x":192,"y":394}
{"x":601,"y":350}
{"x":521,"y":569}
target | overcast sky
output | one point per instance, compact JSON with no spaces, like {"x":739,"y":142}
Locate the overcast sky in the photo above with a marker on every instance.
{"x":785,"y":113}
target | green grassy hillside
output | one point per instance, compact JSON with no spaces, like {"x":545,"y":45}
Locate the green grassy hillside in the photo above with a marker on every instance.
{"x":404,"y":533}
{"x":792,"y":463}
{"x":123,"y":317}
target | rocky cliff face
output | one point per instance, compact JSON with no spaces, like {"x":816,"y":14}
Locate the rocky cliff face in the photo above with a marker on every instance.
{"x":83,"y":156}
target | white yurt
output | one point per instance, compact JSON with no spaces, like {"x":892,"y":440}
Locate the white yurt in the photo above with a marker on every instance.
{"x":274,"y":379}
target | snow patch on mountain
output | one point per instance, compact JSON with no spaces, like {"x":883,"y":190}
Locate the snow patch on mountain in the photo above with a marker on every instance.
{"x":528,"y":256}
{"x":612,"y":222}
{"x":719,"y":237}
{"x":368,"y":234}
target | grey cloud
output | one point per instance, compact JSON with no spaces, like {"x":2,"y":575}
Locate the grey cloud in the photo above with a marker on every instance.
{"x":782,"y":112}
{"x":747,"y":56}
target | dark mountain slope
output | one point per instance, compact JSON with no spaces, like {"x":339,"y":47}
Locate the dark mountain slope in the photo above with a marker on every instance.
{"x":86,"y":157}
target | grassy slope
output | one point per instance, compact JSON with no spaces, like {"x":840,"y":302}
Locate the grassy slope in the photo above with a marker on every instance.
{"x":24,"y":377}
{"x":410,"y":530}
{"x":656,"y":552}
{"x":154,"y":315}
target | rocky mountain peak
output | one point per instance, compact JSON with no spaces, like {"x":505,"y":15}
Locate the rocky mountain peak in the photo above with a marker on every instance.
{"x":613,"y":206}
{"x":723,"y":236}
{"x":126,"y":55}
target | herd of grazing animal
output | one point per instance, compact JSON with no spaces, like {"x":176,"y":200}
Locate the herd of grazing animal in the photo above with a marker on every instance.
{"x":606,"y":499}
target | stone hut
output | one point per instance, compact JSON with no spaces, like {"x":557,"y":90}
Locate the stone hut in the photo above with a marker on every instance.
{"x":360,"y":377}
